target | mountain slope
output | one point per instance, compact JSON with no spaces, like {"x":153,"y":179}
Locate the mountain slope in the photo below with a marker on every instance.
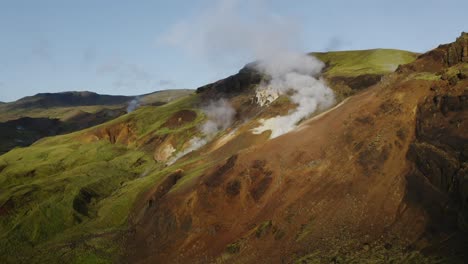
{"x":79,"y":187}
{"x":42,"y":115}
{"x":348,"y":185}
{"x":346,"y":72}
{"x":359,"y":62}
{"x":355,"y":184}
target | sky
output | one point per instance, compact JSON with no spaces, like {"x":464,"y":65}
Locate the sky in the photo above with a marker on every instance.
{"x":138,"y":47}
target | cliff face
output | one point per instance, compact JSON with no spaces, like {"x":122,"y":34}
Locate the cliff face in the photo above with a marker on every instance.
{"x":440,"y":155}
{"x":458,"y":51}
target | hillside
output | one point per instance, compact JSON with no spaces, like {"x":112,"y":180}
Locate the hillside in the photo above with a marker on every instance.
{"x":359,"y":62}
{"x":378,"y":178}
{"x":28,"y":119}
{"x":346,"y":71}
{"x":60,"y":105}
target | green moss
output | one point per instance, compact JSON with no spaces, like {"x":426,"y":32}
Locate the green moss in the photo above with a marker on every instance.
{"x":69,"y":201}
{"x":358,"y":62}
{"x":234,"y":248}
{"x":312,"y":258}
{"x":263,"y":229}
{"x":305,"y":230}
{"x":427,"y":76}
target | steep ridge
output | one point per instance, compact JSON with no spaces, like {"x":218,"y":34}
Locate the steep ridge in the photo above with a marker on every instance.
{"x":379,"y":178}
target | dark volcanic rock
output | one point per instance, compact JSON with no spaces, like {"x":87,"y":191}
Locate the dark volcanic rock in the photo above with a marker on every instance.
{"x":245,"y":79}
{"x":438,"y":59}
{"x":440,"y":156}
{"x":458,"y":51}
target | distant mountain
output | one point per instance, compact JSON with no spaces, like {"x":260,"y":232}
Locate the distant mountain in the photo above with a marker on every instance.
{"x":47,"y":100}
{"x":47,"y":114}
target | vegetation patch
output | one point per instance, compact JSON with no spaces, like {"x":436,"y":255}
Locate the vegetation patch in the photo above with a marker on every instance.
{"x":305,"y":230}
{"x":361,"y":62}
{"x":263,"y":229}
{"x":68,"y":200}
{"x":234,"y":248}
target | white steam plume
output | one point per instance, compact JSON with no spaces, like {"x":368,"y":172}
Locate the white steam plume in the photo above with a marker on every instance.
{"x":294,"y":74}
{"x":133,"y":104}
{"x":234,"y":30}
{"x":220,"y":115}
{"x":194,"y":144}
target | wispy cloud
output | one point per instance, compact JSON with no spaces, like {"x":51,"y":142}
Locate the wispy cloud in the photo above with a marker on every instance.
{"x":232,"y":32}
{"x":126,"y":75}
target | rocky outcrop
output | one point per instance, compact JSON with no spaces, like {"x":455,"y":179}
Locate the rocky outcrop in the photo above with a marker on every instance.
{"x":245,"y":79}
{"x":440,"y":156}
{"x":266,"y":96}
{"x":437,"y":60}
{"x":458,"y":51}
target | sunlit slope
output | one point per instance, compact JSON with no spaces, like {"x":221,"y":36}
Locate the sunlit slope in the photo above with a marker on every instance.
{"x":69,"y":197}
{"x":358,"y":62}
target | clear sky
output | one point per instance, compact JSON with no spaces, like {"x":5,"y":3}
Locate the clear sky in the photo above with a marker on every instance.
{"x":136,"y":47}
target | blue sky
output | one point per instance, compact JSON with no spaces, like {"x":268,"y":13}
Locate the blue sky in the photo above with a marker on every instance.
{"x":136,"y":47}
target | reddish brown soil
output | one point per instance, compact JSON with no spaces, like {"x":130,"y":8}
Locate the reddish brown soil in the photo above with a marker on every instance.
{"x":359,"y":82}
{"x":180,"y":118}
{"x":342,"y":181}
{"x":121,"y":133}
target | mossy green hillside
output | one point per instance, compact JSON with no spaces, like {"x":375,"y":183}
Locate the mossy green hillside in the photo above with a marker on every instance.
{"x":359,"y":62}
{"x":64,"y":199}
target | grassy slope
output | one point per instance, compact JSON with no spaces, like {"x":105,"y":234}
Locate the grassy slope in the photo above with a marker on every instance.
{"x":41,"y":184}
{"x":9,"y":112}
{"x":358,"y":62}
